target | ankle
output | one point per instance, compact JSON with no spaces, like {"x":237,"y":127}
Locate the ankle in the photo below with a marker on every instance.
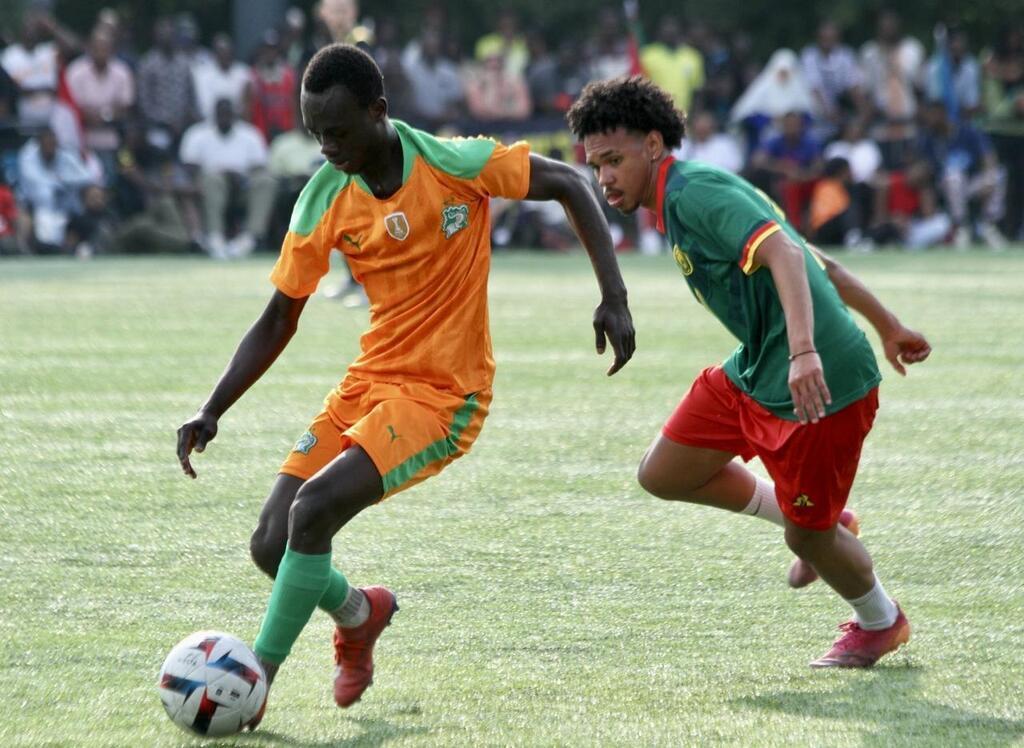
{"x":271,"y":670}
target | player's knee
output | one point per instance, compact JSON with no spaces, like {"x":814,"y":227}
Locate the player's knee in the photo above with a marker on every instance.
{"x":653,"y":481}
{"x":307,"y":515}
{"x":266,"y":551}
{"x":676,"y":483}
{"x":808,"y":543}
{"x":316,"y":511}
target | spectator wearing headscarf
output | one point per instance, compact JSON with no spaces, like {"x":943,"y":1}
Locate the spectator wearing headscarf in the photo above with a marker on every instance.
{"x":780,"y":89}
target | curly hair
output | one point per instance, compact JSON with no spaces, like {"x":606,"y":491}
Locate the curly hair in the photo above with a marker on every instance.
{"x":632,"y":102}
{"x":348,"y":66}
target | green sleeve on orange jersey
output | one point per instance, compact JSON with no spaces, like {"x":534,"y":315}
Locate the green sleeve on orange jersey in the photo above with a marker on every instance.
{"x":464,"y":158}
{"x":305,"y":254}
{"x":498,"y":170}
{"x":316,"y":199}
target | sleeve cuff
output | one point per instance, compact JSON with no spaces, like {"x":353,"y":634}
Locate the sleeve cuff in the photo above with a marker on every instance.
{"x":757,"y":238}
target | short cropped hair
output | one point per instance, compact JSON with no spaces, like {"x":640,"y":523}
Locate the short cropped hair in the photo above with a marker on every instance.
{"x":632,"y":102}
{"x":348,"y":66}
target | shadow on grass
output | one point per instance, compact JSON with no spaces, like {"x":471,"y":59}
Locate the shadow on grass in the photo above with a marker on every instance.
{"x":888,"y":697}
{"x":375,"y":732}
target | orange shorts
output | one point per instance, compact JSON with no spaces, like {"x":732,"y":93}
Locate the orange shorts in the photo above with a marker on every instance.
{"x":410,"y":431}
{"x":813,"y":464}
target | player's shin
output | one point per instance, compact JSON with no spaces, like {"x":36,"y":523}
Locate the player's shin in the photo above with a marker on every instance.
{"x":300,"y":584}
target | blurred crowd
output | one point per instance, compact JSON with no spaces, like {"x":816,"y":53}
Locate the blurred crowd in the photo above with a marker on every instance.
{"x":179,"y":146}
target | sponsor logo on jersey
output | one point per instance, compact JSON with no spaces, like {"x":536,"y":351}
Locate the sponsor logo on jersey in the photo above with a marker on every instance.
{"x":454,"y":218}
{"x":392,"y":434}
{"x":397,"y":225}
{"x":305,"y":443}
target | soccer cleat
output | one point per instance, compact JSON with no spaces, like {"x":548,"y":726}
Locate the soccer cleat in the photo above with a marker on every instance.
{"x":353,"y":648}
{"x":802,"y":573}
{"x":859,"y":647}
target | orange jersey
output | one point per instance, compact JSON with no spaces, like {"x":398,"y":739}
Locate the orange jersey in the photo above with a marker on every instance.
{"x":422,"y":255}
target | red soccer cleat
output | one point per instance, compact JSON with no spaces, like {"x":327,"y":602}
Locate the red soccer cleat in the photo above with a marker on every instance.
{"x":353,"y":648}
{"x":859,"y":647}
{"x":802,"y":573}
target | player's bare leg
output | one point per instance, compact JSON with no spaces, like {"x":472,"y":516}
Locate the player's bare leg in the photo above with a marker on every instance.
{"x":878,"y":626}
{"x":711,"y":477}
{"x":677,"y":472}
{"x":837,"y":555}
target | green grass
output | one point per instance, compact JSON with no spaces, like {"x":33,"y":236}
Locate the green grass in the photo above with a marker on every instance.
{"x":545,"y":599}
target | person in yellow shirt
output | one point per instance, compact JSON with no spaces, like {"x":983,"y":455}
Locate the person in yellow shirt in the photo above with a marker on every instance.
{"x":674,"y":65}
{"x":410,"y":213}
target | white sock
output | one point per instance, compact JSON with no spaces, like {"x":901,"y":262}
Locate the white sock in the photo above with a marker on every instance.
{"x":354,"y":611}
{"x":763,"y":503}
{"x":874,"y":610}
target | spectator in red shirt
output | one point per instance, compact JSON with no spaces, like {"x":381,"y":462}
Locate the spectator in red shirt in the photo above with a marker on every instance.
{"x":273,"y":89}
{"x":8,"y":220}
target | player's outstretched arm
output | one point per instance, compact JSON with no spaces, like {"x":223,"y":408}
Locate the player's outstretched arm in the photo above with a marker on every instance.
{"x":900,"y":344}
{"x":553,"y":180}
{"x":259,"y":348}
{"x":785,"y":261}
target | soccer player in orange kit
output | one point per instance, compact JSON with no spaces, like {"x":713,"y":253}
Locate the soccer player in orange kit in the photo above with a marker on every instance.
{"x":410,"y":213}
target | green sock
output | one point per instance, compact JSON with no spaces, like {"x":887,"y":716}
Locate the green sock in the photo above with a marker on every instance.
{"x":336,"y":592}
{"x":301,"y":582}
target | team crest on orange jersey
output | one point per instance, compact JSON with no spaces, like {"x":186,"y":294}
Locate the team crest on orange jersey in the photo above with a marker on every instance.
{"x":454,"y":218}
{"x":397,"y":225}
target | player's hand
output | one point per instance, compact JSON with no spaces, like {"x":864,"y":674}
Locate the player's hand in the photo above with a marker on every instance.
{"x":807,"y":385}
{"x":905,"y":346}
{"x":195,"y":434}
{"x":613,"y":320}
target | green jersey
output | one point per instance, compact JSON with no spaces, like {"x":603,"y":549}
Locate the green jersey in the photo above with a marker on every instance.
{"x":715,"y":223}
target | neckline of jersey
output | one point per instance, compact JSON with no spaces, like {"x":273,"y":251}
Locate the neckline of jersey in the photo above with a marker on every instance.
{"x":660,"y":199}
{"x":408,"y":160}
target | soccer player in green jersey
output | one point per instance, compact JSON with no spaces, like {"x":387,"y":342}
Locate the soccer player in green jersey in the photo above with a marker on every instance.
{"x":801,"y":390}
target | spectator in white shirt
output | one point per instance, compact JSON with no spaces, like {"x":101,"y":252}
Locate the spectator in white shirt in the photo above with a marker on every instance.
{"x":228,"y":159}
{"x":50,"y":182}
{"x":893,"y":68}
{"x":704,"y":143}
{"x":868,"y":180}
{"x":435,"y":85}
{"x":222,"y":78}
{"x":831,"y":70}
{"x":33,"y":62}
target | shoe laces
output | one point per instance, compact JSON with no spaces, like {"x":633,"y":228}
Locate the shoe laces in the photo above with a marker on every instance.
{"x":852,"y":635}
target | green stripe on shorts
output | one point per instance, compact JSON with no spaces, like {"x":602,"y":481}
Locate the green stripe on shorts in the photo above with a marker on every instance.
{"x":439,"y":450}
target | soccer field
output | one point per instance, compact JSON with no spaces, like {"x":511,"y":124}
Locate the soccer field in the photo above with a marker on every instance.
{"x":545,"y":599}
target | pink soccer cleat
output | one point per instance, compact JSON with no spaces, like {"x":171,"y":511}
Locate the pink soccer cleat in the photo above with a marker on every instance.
{"x":859,"y":647}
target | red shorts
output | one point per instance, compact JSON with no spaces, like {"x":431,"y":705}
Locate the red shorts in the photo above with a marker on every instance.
{"x":813,"y":465}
